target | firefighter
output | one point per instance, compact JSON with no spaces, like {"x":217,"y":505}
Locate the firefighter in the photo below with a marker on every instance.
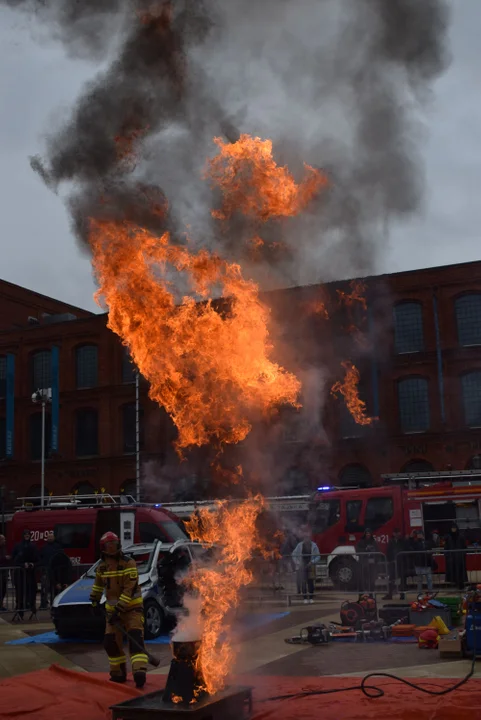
{"x":118,"y":576}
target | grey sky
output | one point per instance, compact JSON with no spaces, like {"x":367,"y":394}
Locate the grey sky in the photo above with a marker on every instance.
{"x":38,"y":82}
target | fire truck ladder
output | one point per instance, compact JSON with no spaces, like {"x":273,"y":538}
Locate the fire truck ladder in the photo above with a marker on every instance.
{"x":69,"y":501}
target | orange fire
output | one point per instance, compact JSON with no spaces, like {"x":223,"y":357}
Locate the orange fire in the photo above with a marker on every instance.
{"x":211,"y":371}
{"x":357,"y":294}
{"x":233,"y":529}
{"x":254,"y":185}
{"x":317,"y":307}
{"x":208,"y":362}
{"x":349,"y":390}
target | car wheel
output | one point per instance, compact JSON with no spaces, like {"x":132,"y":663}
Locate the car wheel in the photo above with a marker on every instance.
{"x":344,"y":573}
{"x":154,"y":620}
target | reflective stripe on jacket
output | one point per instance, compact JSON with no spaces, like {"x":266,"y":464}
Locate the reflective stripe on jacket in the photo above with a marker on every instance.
{"x":119,"y":578}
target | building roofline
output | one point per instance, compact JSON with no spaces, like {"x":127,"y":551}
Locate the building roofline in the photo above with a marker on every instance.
{"x":14,"y":286}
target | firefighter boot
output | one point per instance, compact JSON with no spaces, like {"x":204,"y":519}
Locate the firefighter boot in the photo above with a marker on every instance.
{"x":139,"y":679}
{"x":119,"y":678}
{"x":117,"y":659}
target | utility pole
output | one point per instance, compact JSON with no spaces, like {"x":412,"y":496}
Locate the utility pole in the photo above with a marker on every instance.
{"x":42,"y":397}
{"x":137,"y":435}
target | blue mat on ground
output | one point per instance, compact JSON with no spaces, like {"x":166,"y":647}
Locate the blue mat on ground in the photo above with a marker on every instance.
{"x":249,"y":622}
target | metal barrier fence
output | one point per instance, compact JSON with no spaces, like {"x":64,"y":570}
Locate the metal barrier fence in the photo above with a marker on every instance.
{"x":449,"y":571}
{"x":26,"y":590}
{"x":436,"y":570}
{"x":304,"y":577}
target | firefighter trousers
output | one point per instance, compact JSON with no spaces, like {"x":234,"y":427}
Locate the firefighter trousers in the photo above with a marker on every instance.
{"x":131,"y":621}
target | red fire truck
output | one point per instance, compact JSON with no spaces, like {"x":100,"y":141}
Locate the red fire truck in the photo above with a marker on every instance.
{"x":427,"y":502}
{"x":79,"y":522}
{"x":338,"y":516}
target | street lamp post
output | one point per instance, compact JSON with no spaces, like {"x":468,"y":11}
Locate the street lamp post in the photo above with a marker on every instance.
{"x":42,"y":397}
{"x":137,"y":435}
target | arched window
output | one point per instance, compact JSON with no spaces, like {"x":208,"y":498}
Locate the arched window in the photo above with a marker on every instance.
{"x":129,"y":427}
{"x":355,"y":474}
{"x":86,"y":362}
{"x":295,"y":482}
{"x":128,"y":367}
{"x":413,"y":399}
{"x":83,"y":488}
{"x":471,"y":387}
{"x":41,"y":370}
{"x":468,"y":319}
{"x":35,"y":435}
{"x":86,"y":432}
{"x":129,"y":487}
{"x":3,"y":376}
{"x":416,"y":466}
{"x":408,"y":327}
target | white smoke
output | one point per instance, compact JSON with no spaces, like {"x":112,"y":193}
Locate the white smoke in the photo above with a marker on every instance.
{"x":190,"y":626}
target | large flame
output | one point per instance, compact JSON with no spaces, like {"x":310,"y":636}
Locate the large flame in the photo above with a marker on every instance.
{"x":348,"y":388}
{"x":208,"y":363}
{"x":210,"y":370}
{"x":233,"y":529}
{"x":254,"y":185}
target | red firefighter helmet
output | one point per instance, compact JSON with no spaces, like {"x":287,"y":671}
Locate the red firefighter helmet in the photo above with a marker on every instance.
{"x":109,"y":537}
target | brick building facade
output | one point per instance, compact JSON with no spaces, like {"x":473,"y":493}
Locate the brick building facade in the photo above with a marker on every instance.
{"x":417,"y":344}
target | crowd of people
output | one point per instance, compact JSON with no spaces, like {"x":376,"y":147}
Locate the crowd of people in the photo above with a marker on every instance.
{"x":412,"y":556}
{"x":26,"y":565}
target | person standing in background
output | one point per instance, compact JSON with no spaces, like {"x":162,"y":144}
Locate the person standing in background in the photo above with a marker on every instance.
{"x":25,"y":559}
{"x":396,"y":545}
{"x":4,"y":573}
{"x":423,"y":561}
{"x":370,"y":555}
{"x":455,"y":557}
{"x":306,"y":556}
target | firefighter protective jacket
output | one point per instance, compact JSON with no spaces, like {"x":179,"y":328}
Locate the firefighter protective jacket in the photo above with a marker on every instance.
{"x":119,"y":577}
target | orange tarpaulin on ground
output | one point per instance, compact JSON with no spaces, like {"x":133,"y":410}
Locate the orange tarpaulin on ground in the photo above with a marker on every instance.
{"x":68,"y":695}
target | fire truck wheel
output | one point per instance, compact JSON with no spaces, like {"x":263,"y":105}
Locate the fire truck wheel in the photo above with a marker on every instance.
{"x":154,"y":620}
{"x":343,"y":573}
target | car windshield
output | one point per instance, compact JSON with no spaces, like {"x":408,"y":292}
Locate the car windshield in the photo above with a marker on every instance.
{"x":173,"y":530}
{"x":143,"y":559}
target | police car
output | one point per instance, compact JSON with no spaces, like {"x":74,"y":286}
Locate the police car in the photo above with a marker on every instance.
{"x":159,"y":566}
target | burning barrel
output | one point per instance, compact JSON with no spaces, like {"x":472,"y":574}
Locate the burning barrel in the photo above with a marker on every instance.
{"x":185,"y":683}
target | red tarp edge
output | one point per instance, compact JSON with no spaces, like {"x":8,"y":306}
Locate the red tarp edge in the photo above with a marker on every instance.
{"x":70,"y":695}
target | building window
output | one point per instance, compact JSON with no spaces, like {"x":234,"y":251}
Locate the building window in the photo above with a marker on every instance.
{"x":129,"y":429}
{"x":86,"y":366}
{"x":468,"y":319}
{"x":83,"y":488}
{"x":471,"y":385}
{"x":33,"y":492}
{"x":413,"y":398}
{"x":408,"y":327}
{"x":3,"y":376}
{"x":417,"y":466}
{"x":87,"y":430}
{"x":355,"y":475}
{"x":3,"y":438}
{"x":128,"y":367}
{"x":379,"y":510}
{"x":35,"y":432}
{"x":41,"y":370}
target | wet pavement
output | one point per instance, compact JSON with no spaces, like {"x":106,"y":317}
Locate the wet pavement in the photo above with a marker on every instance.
{"x":260,"y":648}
